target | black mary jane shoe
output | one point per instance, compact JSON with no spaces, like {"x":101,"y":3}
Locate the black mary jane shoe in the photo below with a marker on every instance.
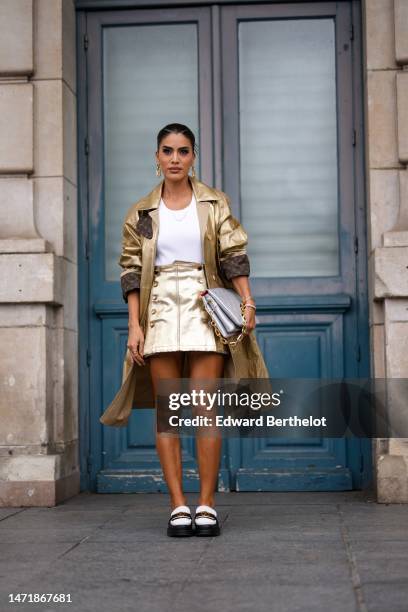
{"x":208,"y":530}
{"x":180,"y":531}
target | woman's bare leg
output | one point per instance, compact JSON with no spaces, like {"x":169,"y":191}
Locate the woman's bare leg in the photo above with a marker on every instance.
{"x":168,"y":365}
{"x":207,"y":365}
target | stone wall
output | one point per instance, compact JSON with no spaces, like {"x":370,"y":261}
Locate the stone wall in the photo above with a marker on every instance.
{"x":385,"y":40}
{"x":38,"y":261}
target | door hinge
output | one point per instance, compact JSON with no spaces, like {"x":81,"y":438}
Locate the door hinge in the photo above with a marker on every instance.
{"x":358,"y":353}
{"x":86,"y":146}
{"x":88,"y":357}
{"x":355,"y":244}
{"x":354,"y":138}
{"x":86,"y":249}
{"x":86,"y":42}
{"x":352,"y":31}
{"x":89,"y":464}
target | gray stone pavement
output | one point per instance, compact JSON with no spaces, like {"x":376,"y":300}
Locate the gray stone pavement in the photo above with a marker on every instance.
{"x":284,"y":552}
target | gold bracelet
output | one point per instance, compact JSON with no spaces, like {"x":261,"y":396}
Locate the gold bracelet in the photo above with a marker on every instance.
{"x":250,"y":306}
{"x":247,"y":297}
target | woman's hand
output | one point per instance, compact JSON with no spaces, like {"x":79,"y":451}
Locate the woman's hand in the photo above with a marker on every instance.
{"x":241,"y":286}
{"x":250,"y":318}
{"x":135,"y":344}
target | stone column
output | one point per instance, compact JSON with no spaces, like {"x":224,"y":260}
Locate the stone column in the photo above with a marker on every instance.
{"x":38,"y":261}
{"x":386,"y":64}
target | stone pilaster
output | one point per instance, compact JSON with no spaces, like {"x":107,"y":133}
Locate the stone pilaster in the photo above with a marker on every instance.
{"x":38,"y":263}
{"x":386,"y":64}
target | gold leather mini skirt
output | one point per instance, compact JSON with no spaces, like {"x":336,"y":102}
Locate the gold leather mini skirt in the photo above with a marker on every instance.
{"x":176,"y":317}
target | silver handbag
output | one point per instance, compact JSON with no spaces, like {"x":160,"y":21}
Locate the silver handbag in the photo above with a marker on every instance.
{"x":227,"y":313}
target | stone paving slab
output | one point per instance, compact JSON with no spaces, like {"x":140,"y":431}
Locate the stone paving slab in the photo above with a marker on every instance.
{"x":283,"y":552}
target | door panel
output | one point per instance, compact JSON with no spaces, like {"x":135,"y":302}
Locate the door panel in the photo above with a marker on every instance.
{"x":140,"y":81}
{"x":305,"y":186}
{"x":145,"y":69}
{"x":288,"y":145}
{"x":288,"y":164}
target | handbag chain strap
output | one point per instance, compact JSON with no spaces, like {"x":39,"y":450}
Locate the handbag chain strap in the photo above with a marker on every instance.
{"x":241,"y":333}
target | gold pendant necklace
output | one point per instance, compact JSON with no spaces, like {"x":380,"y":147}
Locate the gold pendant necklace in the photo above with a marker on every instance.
{"x":175,"y":211}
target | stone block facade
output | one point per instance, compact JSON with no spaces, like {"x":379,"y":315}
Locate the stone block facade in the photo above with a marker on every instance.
{"x":39,"y":455}
{"x":385,"y":60}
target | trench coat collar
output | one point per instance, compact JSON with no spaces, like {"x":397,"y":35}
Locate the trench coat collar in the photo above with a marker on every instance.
{"x":202,"y":193}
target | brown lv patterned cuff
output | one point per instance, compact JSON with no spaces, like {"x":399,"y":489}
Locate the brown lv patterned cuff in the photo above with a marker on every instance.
{"x":129,"y":282}
{"x":235,"y":265}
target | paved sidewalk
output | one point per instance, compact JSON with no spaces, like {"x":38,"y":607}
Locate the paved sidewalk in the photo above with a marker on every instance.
{"x":283,"y":552}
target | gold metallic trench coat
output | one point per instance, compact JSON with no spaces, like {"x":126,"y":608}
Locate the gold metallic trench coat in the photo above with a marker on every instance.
{"x":223,"y":242}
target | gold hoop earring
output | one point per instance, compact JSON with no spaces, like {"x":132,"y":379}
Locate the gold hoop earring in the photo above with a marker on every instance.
{"x":158,"y":170}
{"x":193,"y":171}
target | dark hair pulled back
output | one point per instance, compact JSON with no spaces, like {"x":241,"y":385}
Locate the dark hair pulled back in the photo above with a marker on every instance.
{"x":177,"y":128}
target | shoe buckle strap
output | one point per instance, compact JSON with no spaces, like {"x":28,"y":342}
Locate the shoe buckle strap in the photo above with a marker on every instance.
{"x":180,"y":514}
{"x":205,"y":513}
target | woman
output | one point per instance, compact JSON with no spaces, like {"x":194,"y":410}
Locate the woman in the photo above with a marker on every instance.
{"x":177,"y":241}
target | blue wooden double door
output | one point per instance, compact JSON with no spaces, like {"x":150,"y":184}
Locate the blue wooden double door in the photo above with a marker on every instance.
{"x":272,"y":92}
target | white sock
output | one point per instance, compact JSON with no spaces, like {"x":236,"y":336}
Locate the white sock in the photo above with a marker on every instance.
{"x":181,"y":520}
{"x":205,"y":520}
